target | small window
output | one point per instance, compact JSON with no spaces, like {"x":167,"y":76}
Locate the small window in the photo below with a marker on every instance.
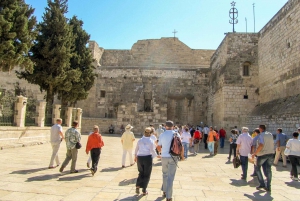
{"x":246,"y":69}
{"x":245,"y":96}
{"x":102,"y":94}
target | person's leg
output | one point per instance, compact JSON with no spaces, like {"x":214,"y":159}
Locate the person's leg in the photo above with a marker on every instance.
{"x":259,"y":163}
{"x":185,"y":146}
{"x":244,"y":163}
{"x":140,"y":166}
{"x":283,"y":156}
{"x":165,"y":167}
{"x":209,"y":144}
{"x":293,"y":160}
{"x":96,"y":155}
{"x":67,"y":159}
{"x":216,"y":147}
{"x":234,"y":149}
{"x":230,"y":151}
{"x":55,"y":148}
{"x":148,"y":161}
{"x":277,"y":155}
{"x":222,"y":142}
{"x":124,"y":157}
{"x":74,"y":153}
{"x":171,"y":175}
{"x":130,"y":157}
{"x":269,"y":162}
{"x":205,"y":141}
{"x":212,"y":147}
{"x":196,"y":148}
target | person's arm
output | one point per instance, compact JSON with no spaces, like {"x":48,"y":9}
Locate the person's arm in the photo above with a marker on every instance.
{"x":278,"y":142}
{"x":135,"y":152}
{"x":158,"y":148}
{"x":259,"y":148}
{"x":238,"y":149}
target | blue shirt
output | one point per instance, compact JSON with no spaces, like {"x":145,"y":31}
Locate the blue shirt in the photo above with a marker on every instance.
{"x":282,"y":139}
{"x":255,"y":139}
{"x":165,"y":142}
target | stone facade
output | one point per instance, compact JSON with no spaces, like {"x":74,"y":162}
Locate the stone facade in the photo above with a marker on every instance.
{"x":251,"y":78}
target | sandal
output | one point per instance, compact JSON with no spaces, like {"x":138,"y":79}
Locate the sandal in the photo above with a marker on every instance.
{"x":145,"y":193}
{"x":164,"y":194}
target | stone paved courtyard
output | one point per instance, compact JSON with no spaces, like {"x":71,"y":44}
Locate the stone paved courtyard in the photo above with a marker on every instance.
{"x":24,"y":175}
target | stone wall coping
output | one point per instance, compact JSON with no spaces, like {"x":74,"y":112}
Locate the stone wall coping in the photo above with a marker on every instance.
{"x":12,"y":128}
{"x":157,"y":67}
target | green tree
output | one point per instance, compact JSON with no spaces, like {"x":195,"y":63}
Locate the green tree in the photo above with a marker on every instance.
{"x":17,"y":32}
{"x":52,"y":52}
{"x":81,"y":61}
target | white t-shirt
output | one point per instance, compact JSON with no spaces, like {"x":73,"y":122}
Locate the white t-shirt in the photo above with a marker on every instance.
{"x":55,"y":137}
{"x":294,"y":146}
{"x":153,"y":138}
{"x":186,"y":136}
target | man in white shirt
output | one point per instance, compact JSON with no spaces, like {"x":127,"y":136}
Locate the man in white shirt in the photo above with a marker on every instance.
{"x":168,"y":163}
{"x":56,"y":136}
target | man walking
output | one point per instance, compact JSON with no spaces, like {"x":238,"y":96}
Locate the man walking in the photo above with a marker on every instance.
{"x":127,"y":143}
{"x":72,"y":136}
{"x":244,"y":143}
{"x":264,"y":153}
{"x":168,"y":163}
{"x":281,"y":140}
{"x":56,"y":136}
{"x":205,"y":132}
{"x":94,"y":144}
{"x":222,"y":134}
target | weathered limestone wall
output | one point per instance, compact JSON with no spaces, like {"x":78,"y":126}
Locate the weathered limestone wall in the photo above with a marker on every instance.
{"x":227,"y":104}
{"x":279,"y":58}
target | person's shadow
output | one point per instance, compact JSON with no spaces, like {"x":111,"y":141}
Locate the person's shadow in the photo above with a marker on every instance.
{"x":257,"y":196}
{"x":293,"y":184}
{"x":111,"y":169}
{"x":126,"y":182}
{"x":29,"y":171}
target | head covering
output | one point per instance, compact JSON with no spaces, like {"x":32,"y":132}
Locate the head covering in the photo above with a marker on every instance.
{"x":128,"y":127}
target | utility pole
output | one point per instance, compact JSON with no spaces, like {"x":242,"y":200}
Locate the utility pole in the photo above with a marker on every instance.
{"x":254,"y":15}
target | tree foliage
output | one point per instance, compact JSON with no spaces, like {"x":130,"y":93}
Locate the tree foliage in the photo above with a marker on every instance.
{"x":81,"y":61}
{"x":17,"y":32}
{"x":52,"y":52}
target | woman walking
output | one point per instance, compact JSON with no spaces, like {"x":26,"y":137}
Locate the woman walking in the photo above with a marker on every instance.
{"x":144,"y":154}
{"x":293,"y":149}
{"x":233,"y":145}
{"x":186,"y":140}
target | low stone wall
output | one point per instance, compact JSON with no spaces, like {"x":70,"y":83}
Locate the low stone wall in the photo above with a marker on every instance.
{"x":17,"y":136}
{"x":103,"y":123}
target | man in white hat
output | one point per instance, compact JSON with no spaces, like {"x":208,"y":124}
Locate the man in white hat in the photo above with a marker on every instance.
{"x":127,"y":142}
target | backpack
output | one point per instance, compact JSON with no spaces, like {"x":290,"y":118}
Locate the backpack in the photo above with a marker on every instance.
{"x":176,"y":146}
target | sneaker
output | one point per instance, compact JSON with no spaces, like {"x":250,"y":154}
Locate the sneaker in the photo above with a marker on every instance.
{"x":295,"y":179}
{"x":51,"y":167}
{"x":75,"y":171}
{"x":137,"y":190}
{"x":92,"y":171}
{"x":267,"y":189}
{"x":260,"y":187}
{"x":123,"y":166}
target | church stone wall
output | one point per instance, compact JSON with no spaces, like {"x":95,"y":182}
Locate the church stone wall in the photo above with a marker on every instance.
{"x":279,"y":58}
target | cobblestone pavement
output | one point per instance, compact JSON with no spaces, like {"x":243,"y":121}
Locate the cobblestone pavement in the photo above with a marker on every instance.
{"x":24,"y":175}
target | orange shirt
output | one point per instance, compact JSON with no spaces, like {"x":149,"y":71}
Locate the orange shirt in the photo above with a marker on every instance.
{"x":94,"y":141}
{"x":211,"y":135}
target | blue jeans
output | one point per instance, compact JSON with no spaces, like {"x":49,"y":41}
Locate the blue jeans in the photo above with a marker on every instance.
{"x":244,"y":164}
{"x":168,"y":170}
{"x":211,"y":146}
{"x":266,"y":161}
{"x":186,"y":148}
{"x":222,"y":141}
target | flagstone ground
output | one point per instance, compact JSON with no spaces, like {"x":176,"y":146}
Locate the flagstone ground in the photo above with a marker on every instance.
{"x":24,"y":175}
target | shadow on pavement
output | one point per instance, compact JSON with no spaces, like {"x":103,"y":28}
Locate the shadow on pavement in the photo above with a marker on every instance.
{"x":240,"y":182}
{"x":257,"y":196}
{"x":43,"y":177}
{"x":30,"y":171}
{"x":137,"y":197}
{"x":126,"y":182}
{"x":111,"y":169}
{"x":73,"y":177}
{"x":294,"y":184}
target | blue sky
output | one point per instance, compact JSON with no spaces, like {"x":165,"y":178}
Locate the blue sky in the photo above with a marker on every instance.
{"x":201,"y":24}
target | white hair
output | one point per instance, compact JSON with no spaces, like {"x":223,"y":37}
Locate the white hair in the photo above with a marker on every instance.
{"x":245,"y":129}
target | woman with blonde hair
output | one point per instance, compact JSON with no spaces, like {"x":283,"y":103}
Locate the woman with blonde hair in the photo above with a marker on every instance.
{"x":144,"y":154}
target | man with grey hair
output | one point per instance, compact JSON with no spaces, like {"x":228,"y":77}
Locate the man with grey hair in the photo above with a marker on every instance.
{"x":56,"y":136}
{"x":244,"y":143}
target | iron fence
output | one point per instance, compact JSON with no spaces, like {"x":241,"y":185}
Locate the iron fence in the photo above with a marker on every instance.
{"x":7,"y":103}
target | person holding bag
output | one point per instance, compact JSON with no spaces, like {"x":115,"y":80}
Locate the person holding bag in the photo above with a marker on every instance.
{"x":196,"y":140}
{"x":293,"y":151}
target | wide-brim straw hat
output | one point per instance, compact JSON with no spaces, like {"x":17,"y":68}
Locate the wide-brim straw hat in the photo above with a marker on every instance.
{"x":129,"y":127}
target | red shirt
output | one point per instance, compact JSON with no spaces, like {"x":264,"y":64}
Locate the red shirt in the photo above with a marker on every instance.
{"x":94,"y":141}
{"x":222,"y":133}
{"x":197,"y":134}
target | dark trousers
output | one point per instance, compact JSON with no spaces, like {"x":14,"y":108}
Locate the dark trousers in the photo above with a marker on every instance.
{"x":144,"y":164}
{"x":267,"y":161}
{"x":232,"y":148}
{"x":294,"y":161}
{"x":222,"y":141}
{"x":216,"y":145}
{"x":244,"y":164}
{"x":205,"y":140}
{"x":95,"y":155}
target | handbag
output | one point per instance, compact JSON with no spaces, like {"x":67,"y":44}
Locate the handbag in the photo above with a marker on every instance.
{"x":287,"y":151}
{"x":78,"y":145}
{"x":236,"y":162}
{"x":196,"y":141}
